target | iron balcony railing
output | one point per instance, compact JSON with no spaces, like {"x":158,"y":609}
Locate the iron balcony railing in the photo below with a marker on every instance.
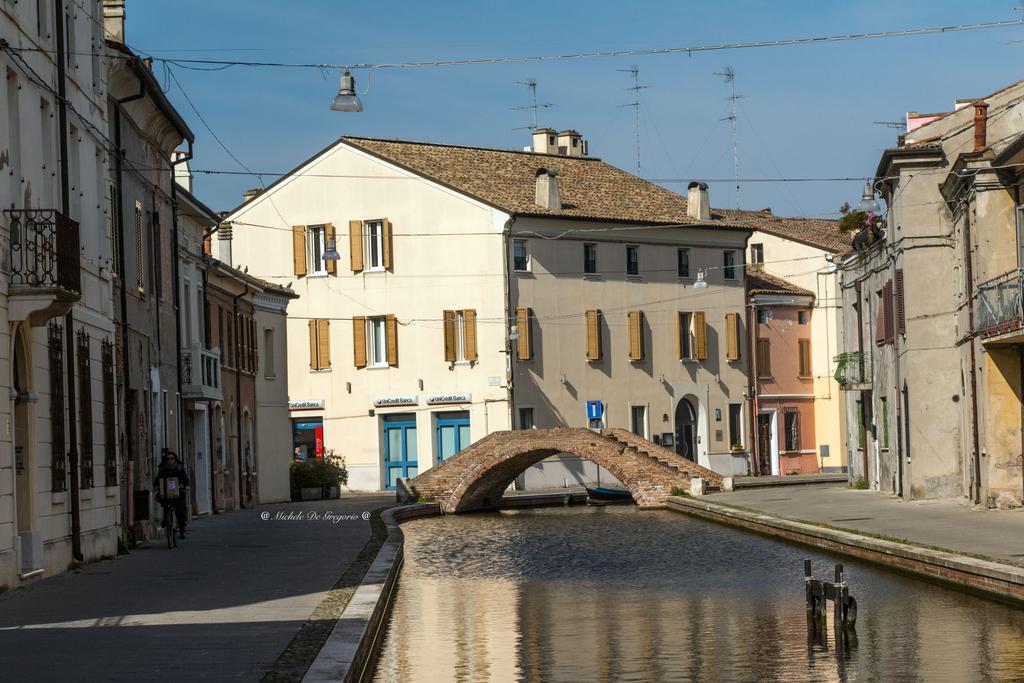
{"x":998,"y":304}
{"x":200,"y":372}
{"x":43,"y":250}
{"x":853,"y":368}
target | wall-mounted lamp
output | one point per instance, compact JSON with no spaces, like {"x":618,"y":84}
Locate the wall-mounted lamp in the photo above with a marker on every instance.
{"x":331,"y":253}
{"x":421,"y":384}
{"x":513,"y":333}
{"x":701,"y":281}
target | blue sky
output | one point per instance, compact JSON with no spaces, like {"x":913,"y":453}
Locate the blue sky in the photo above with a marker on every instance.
{"x":806,"y":111}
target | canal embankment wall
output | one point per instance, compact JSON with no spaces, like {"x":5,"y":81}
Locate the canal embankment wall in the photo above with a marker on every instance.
{"x":350,"y":649}
{"x":994,"y":579}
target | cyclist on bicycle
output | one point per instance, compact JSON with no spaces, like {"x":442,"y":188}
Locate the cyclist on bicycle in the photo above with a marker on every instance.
{"x":170,"y":484}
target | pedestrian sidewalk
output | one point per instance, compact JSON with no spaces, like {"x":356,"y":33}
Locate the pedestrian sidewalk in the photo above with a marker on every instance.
{"x":222,"y":605}
{"x":946,"y":524}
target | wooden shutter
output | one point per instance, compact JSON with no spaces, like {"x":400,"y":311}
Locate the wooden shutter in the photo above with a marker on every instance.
{"x":469,"y":334}
{"x":880,"y":321}
{"x":890,"y":314}
{"x":593,"y":335}
{"x":681,"y":329}
{"x":901,"y":312}
{"x":700,"y":336}
{"x":805,"y":357}
{"x":313,"y":364}
{"x":524,"y":347}
{"x":330,"y":235}
{"x":323,"y":343}
{"x":732,"y":334}
{"x":386,"y":248}
{"x":355,"y":243}
{"x":299,"y":249}
{"x":636,"y":335}
{"x":764,"y":358}
{"x":449,"y":336}
{"x":391,"y":334}
{"x":359,"y":341}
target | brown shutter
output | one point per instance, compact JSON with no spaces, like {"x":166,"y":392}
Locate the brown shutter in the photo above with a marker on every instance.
{"x":764,"y":358}
{"x":449,"y":336}
{"x":355,"y":243}
{"x":805,"y":357}
{"x":330,"y":234}
{"x":391,"y":332}
{"x":314,"y":364}
{"x":593,"y":335}
{"x":732,"y":335}
{"x":359,"y":341}
{"x":890,"y":314}
{"x":636,"y":335}
{"x":387,"y":247}
{"x":469,"y":334}
{"x":880,"y":321}
{"x":700,"y":334}
{"x":299,"y":249}
{"x":901,"y":312}
{"x":323,"y":339}
{"x":524,"y":347}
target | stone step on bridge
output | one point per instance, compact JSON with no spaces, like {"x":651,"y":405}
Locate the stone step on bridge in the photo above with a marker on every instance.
{"x":476,"y":477}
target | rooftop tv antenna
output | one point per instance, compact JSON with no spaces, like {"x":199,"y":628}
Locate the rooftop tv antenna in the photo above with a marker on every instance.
{"x":531,"y":83}
{"x":898,"y":125}
{"x":730,"y":77}
{"x":634,"y":71}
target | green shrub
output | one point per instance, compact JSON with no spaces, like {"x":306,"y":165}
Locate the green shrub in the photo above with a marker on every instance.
{"x":678,"y":491}
{"x":859,"y":483}
{"x":329,"y":470}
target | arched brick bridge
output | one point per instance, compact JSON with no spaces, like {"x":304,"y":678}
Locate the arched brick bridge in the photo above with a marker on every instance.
{"x":476,"y":477}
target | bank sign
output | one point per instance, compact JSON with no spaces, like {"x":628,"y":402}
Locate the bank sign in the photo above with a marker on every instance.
{"x":448,"y":399}
{"x":392,"y":401}
{"x":307,"y":404}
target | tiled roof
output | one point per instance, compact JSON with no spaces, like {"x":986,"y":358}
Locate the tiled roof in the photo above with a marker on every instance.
{"x":817,"y":232}
{"x":589,"y":188}
{"x":759,"y":282}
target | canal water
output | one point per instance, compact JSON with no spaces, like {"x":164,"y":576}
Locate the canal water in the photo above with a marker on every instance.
{"x":619,"y":594}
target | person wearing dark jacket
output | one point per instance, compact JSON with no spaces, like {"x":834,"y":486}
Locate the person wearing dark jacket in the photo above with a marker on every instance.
{"x":172,"y":477}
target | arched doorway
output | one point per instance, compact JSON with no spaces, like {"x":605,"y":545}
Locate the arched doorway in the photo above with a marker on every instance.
{"x":24,"y":457}
{"x":686,"y":430}
{"x":217,"y":463}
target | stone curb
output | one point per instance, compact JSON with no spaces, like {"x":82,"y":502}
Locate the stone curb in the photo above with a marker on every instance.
{"x":350,"y":647}
{"x":1002,"y":581}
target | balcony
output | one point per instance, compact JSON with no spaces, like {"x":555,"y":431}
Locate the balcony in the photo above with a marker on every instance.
{"x":42,"y":264}
{"x":200,"y":374}
{"x":997,"y":306}
{"x":853,"y":371}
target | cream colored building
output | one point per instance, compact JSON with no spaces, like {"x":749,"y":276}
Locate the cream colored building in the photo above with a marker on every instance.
{"x":479,"y":290}
{"x":802,"y":252}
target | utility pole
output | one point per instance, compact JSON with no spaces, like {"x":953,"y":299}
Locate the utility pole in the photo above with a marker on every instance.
{"x":531,"y":83}
{"x":730,"y":77}
{"x":634,"y":71}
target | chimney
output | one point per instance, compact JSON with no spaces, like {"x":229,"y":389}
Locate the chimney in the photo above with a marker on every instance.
{"x":571,"y":144}
{"x":980,"y":125}
{"x":697,"y":205}
{"x":113,"y":19}
{"x":250,"y":194}
{"x":547,"y":194}
{"x":544,"y":141}
{"x":224,"y":242}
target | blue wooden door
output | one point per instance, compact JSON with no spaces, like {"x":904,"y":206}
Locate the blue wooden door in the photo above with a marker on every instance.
{"x":400,"y":452}
{"x":452,"y":434}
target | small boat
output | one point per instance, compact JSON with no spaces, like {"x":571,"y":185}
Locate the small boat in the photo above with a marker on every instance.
{"x":608,"y":494}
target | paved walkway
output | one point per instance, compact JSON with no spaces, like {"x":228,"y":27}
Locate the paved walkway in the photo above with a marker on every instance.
{"x":222,"y":606}
{"x":946,"y":524}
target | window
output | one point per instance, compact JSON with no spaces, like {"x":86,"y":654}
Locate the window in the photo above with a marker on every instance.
{"x":683,"y":262}
{"x":140,"y":254}
{"x":593,"y":318}
{"x":638,"y":420}
{"x":885,"y":422}
{"x":320,"y":344}
{"x":685,"y":336}
{"x":764,"y":315}
{"x":158,"y":254}
{"x":729,"y":265}
{"x":691,"y":336}
{"x":42,"y":24}
{"x":636,"y":335}
{"x":460,"y":336}
{"x":316,"y":243}
{"x":589,"y":258}
{"x":764,"y":359}
{"x":802,"y":317}
{"x":524,"y":345}
{"x":69,"y":39}
{"x":268,"y":354}
{"x":736,"y":425}
{"x":55,"y":335}
{"x":860,"y":424}
{"x":520,"y":259}
{"x":792,"y":426}
{"x":732,"y":336}
{"x":377,"y":339}
{"x":373,"y":237}
{"x":526,"y":418}
{"x":85,"y":409}
{"x":632,"y":260}
{"x":804,"y":346}
{"x":757,"y":256}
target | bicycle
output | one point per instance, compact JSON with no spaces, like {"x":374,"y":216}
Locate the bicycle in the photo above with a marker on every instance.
{"x":170,"y":524}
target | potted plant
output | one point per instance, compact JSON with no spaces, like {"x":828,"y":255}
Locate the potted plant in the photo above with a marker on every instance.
{"x":318,"y":478}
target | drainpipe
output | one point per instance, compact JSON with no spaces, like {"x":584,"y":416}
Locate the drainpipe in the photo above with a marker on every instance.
{"x":752,"y":388}
{"x":975,"y":436}
{"x":862,"y":437}
{"x":122,"y":277}
{"x":175,"y":263}
{"x":69,"y":318}
{"x":211,"y":424}
{"x":238,"y":395}
{"x":510,"y":369}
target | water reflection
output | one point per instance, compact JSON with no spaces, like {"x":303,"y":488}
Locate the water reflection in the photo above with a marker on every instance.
{"x":614,"y":594}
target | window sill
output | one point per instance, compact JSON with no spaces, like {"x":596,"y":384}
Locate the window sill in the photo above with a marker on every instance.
{"x":270,"y":378}
{"x":523,"y":273}
{"x":592,"y":276}
{"x":684,"y":278}
{"x":317,"y":275}
{"x":634,"y":276}
{"x":378,"y":366}
{"x":378,"y":269}
{"x":463,"y":362}
{"x":317,"y":371}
